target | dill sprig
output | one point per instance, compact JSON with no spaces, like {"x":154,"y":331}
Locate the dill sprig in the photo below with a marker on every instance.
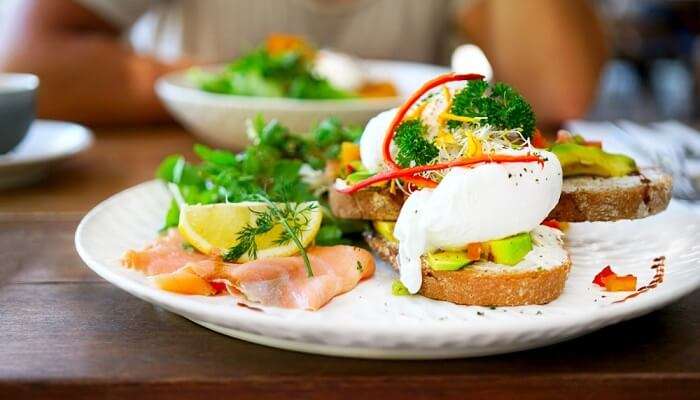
{"x":292,"y":217}
{"x":246,"y":237}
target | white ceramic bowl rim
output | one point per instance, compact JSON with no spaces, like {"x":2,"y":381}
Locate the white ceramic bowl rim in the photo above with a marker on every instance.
{"x":175,"y":84}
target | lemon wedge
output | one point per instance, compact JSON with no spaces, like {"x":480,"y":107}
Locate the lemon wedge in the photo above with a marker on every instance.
{"x":214,"y":228}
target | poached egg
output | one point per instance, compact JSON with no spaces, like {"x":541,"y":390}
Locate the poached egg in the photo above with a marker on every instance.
{"x":373,"y":138}
{"x":469,"y":205}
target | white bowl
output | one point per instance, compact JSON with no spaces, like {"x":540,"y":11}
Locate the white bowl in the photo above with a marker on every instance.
{"x":219,"y":119}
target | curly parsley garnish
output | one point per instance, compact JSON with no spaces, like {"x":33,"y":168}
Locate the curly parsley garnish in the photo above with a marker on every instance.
{"x":414,"y":148}
{"x":503,"y":106}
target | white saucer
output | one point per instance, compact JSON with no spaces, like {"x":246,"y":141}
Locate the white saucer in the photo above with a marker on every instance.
{"x":46,"y":143}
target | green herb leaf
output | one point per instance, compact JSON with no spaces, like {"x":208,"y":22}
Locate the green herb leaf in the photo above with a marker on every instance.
{"x":329,"y":235}
{"x":219,"y":157}
{"x":246,"y":237}
{"x":172,"y":217}
{"x":166,"y":167}
{"x":268,"y":168}
{"x":414,"y":148}
{"x":503,"y":106}
{"x":292,"y":217}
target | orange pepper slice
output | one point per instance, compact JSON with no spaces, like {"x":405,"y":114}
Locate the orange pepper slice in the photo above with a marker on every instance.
{"x":474,"y":251}
{"x":627,"y":283}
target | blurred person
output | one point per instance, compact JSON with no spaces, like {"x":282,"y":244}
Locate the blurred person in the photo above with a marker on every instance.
{"x":98,"y":59}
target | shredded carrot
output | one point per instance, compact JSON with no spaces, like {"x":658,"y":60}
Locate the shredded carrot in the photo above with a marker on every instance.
{"x":401,"y":113}
{"x":474,"y":251}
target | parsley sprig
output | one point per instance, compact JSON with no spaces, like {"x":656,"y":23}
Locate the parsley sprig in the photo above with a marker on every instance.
{"x":414,"y":148}
{"x":503,"y":106}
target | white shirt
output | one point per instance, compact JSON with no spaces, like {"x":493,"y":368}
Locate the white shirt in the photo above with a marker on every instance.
{"x":219,"y":30}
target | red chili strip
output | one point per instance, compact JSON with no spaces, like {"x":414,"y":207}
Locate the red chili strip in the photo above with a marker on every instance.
{"x":552,"y":223}
{"x":400,"y":173}
{"x":401,"y":113}
{"x":600,"y":278}
{"x":538,"y":140}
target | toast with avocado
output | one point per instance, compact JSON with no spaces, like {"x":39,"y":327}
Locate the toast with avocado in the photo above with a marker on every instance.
{"x":453,"y":277}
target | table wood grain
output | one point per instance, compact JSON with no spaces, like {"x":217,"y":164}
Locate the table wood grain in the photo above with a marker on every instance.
{"x":65,"y":333}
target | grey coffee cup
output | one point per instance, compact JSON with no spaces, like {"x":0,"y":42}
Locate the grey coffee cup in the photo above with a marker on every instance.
{"x":17,"y":107}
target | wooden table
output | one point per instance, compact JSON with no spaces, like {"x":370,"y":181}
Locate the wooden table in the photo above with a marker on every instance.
{"x":66,"y":333}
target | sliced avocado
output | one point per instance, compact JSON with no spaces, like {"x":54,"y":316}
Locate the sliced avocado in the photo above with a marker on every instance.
{"x":448,"y":260}
{"x":398,"y":289}
{"x":358,"y":176}
{"x":385,"y":229}
{"x":578,"y":159}
{"x":357,"y":166}
{"x":510,"y":250}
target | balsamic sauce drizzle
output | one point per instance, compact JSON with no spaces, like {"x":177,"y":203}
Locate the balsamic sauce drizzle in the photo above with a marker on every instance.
{"x":659,"y":266}
{"x":244,"y":305}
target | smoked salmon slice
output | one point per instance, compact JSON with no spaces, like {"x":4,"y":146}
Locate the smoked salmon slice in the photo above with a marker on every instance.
{"x":168,"y":253}
{"x":280,"y":282}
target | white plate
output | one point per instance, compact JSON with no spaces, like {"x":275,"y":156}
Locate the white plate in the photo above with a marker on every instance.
{"x":46,"y":143}
{"x":220,"y":118}
{"x":370,"y":322}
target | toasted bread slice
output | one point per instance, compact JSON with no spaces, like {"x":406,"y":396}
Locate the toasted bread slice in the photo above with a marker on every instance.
{"x":582,"y":199}
{"x":484,"y":284}
{"x":612,"y":199}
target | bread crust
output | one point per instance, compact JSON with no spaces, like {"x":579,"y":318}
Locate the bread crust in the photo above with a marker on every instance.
{"x":469,"y":286}
{"x":612,"y":199}
{"x":368,"y":204}
{"x":582,"y":199}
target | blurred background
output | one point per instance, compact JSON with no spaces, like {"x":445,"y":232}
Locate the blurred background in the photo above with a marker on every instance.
{"x":655,"y":66}
{"x":654,"y":69}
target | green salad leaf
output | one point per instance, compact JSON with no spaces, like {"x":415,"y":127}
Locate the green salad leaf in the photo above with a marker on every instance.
{"x":260,"y":73}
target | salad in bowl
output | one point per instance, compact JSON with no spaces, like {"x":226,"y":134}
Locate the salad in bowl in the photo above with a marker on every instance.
{"x":285,"y":78}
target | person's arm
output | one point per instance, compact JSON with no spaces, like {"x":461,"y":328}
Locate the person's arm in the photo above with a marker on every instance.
{"x":87,"y":74}
{"x":551,"y":50}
